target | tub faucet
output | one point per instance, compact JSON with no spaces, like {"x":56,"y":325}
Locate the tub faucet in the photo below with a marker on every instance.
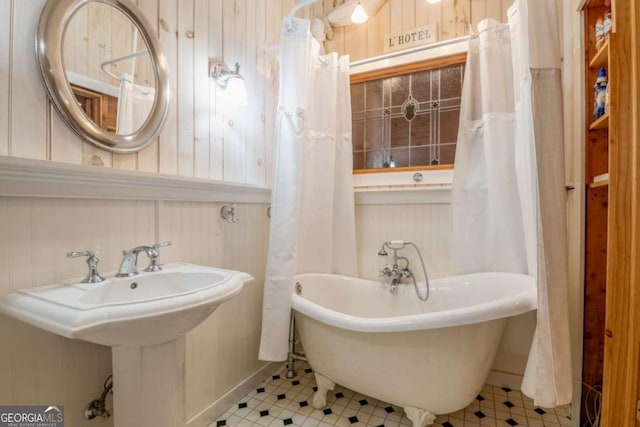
{"x":395,"y":273}
{"x":128,"y":266}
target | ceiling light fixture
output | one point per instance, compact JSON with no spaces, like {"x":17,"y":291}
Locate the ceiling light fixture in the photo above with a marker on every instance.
{"x":359,"y":15}
{"x":433,"y":1}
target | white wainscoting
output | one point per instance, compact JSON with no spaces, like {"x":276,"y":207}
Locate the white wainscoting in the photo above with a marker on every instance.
{"x":35,"y":233}
{"x":429,"y":227}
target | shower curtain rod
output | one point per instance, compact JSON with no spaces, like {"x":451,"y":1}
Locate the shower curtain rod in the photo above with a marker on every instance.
{"x":118,"y":59}
{"x":497,"y":28}
{"x":302,"y":3}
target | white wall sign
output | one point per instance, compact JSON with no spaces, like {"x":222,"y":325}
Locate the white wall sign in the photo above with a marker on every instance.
{"x":410,"y":38}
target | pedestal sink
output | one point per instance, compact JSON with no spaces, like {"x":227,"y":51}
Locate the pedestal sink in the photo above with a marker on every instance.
{"x":144,"y":319}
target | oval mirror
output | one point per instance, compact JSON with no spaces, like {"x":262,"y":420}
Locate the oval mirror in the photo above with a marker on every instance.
{"x":104,"y":71}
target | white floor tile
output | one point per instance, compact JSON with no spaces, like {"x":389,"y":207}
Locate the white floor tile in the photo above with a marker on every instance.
{"x":347,"y":411}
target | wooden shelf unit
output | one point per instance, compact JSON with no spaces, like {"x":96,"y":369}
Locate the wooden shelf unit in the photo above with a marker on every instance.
{"x":597,"y":203}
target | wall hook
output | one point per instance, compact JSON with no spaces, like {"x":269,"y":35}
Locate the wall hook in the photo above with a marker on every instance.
{"x":228,"y":213}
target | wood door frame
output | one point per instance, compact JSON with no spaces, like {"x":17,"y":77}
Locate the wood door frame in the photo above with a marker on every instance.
{"x":621,"y":387}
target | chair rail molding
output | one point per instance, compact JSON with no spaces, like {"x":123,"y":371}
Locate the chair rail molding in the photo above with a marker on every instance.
{"x":39,"y":178}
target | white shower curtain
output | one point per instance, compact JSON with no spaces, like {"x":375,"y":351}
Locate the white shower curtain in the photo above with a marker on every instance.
{"x":312,"y":204}
{"x":508,"y":192}
{"x":134,"y":105}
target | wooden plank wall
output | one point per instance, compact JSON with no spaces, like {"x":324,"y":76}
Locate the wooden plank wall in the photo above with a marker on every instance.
{"x":452,"y":19}
{"x":203,"y":137}
{"x":98,"y":33}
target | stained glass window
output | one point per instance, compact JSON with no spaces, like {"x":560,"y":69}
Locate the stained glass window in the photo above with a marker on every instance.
{"x":407,"y":120}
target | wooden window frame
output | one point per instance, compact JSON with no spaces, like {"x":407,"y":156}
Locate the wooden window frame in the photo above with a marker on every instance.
{"x":400,"y":70}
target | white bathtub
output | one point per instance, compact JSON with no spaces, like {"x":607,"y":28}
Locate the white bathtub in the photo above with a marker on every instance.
{"x":428,"y":357}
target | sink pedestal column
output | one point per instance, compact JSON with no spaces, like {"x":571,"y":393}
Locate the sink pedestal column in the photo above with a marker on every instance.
{"x":148,"y":385}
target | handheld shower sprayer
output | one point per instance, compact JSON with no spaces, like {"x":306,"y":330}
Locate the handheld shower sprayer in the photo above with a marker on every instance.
{"x":394,"y":245}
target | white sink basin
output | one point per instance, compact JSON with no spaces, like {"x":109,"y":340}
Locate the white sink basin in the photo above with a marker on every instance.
{"x":148,"y":309}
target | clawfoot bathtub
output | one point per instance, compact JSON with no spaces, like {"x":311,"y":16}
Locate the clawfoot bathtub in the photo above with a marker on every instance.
{"x":428,"y":357}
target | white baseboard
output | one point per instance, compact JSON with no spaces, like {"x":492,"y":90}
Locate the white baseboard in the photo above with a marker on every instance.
{"x":505,"y":379}
{"x":216,"y":409}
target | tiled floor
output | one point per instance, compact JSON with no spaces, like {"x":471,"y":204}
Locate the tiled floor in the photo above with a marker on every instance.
{"x":281,"y":402}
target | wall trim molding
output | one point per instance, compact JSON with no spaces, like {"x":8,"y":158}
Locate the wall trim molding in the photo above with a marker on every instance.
{"x":425,"y":195}
{"x":211,"y":413}
{"x":432,"y":186}
{"x":40,"y":178}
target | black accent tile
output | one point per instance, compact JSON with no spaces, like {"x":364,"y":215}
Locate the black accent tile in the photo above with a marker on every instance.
{"x":327,"y":411}
{"x":295,"y":382}
{"x":506,"y":389}
{"x":447,"y":424}
{"x":508,"y":404}
{"x":303,"y":403}
{"x":221,"y":423}
{"x":389,"y":409}
{"x":363,"y":402}
{"x":260,"y":390}
{"x":308,"y":371}
{"x":287,"y":421}
{"x":381,"y":425}
{"x":479,"y":398}
{"x":479,"y":414}
{"x":264,"y":413}
{"x":511,"y":422}
{"x":540,"y":411}
{"x":281,"y":396}
{"x":276,"y":377}
{"x":339,"y":395}
{"x":242,"y":405}
{"x":314,"y":388}
{"x":353,"y":419}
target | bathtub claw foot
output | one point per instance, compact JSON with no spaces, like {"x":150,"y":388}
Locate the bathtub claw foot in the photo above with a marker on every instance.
{"x":320,"y":396}
{"x":420,"y":417}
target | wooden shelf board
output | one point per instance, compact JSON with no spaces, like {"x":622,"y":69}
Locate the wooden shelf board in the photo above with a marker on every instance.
{"x":601,"y":123}
{"x":601,"y":59}
{"x":598,"y":184}
{"x":590,"y":3}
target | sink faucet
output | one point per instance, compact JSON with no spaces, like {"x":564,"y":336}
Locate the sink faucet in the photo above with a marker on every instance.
{"x":128,"y":266}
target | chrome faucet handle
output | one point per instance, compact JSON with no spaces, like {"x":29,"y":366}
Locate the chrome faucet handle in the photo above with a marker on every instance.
{"x":92,"y":261}
{"x":386,"y":272}
{"x":153,"y":258}
{"x":159,"y":245}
